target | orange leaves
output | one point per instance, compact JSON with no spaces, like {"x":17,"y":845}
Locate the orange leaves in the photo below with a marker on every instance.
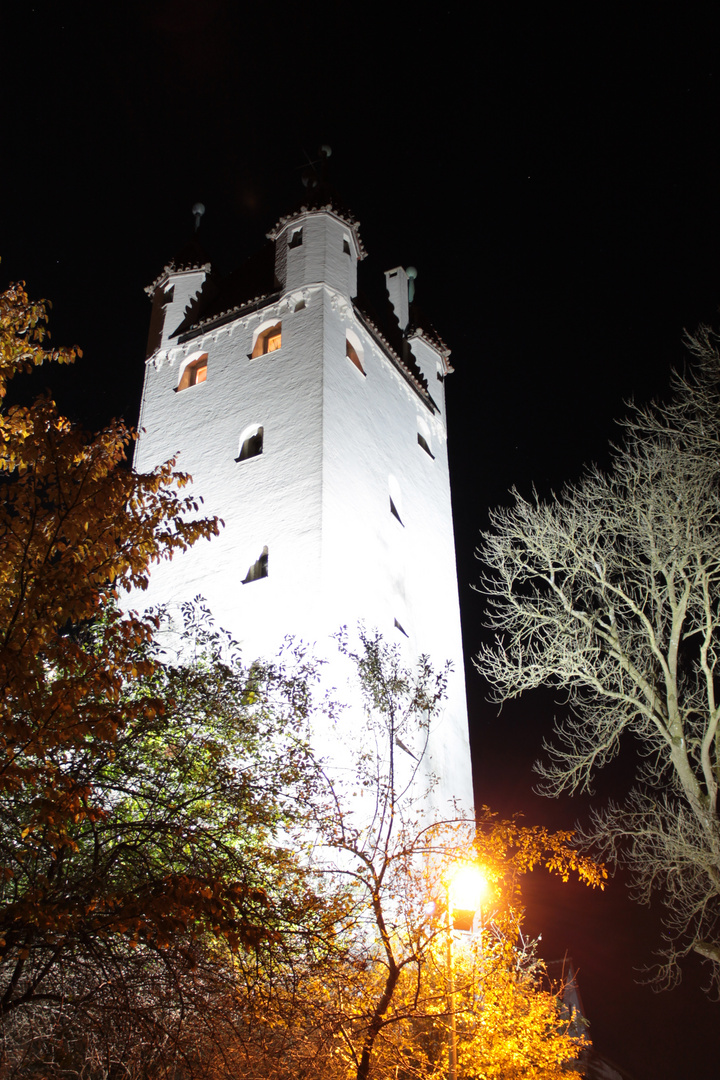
{"x":514,"y":849}
{"x":22,"y":332}
{"x":140,"y":802}
{"x":76,"y":526}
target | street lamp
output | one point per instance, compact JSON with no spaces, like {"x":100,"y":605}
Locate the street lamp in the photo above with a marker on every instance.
{"x":467,"y":886}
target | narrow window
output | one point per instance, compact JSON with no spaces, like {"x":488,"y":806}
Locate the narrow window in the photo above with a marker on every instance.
{"x":396,"y":503}
{"x":268,"y":340}
{"x":423,"y":442}
{"x":259,"y":568}
{"x":351,"y":353}
{"x":194,"y":373}
{"x":354,"y":350}
{"x":346,"y":245}
{"x":296,"y":239}
{"x":393,"y":511}
{"x":251,"y":444}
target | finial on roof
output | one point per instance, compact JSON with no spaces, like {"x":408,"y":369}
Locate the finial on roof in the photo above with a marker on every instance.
{"x":412,"y":274}
{"x":198,"y":211}
{"x":313,"y":175}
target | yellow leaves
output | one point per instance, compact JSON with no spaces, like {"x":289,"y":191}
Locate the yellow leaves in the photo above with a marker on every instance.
{"x":75,"y":527}
{"x":518,"y":849}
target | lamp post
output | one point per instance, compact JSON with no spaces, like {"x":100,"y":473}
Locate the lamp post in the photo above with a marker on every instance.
{"x":466,"y":887}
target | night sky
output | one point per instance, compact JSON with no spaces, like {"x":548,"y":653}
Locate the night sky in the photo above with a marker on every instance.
{"x":555,"y":179}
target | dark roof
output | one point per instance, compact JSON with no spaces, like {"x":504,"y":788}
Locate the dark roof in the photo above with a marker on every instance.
{"x":251,"y":284}
{"x":374,"y":307}
{"x":192,"y":256}
{"x":320,"y":196}
{"x":420,"y":326}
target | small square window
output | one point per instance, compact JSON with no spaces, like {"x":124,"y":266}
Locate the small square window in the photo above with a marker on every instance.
{"x":296,"y":239}
{"x":194,"y":373}
{"x":252,"y":445}
{"x":269,"y":340}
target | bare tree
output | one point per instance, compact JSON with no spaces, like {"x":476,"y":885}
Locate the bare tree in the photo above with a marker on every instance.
{"x":611,"y":592}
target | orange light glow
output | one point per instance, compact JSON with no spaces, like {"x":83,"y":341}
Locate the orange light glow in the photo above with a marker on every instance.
{"x":468,"y":887}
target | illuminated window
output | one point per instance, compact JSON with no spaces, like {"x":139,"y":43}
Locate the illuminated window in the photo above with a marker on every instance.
{"x":194,"y":373}
{"x":251,"y":443}
{"x":422,"y":441}
{"x":259,"y":568}
{"x":353,"y":350}
{"x":296,"y":239}
{"x":267,"y":341}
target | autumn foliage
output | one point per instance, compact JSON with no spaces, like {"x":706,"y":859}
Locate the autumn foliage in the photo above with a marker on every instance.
{"x":186,"y":890}
{"x":77,"y":528}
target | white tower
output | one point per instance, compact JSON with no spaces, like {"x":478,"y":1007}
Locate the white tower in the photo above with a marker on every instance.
{"x":316,"y":431}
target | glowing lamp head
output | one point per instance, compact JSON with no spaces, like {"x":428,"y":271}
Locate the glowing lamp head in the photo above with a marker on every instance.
{"x":468,"y":888}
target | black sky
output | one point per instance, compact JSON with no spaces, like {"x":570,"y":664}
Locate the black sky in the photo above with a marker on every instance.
{"x":554,"y":176}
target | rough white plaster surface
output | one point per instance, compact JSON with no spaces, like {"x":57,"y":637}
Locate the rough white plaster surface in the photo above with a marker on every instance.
{"x":336,"y":444}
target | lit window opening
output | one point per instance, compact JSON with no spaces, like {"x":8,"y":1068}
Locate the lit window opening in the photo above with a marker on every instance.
{"x":352,"y":355}
{"x":354,"y":351}
{"x":194,"y":373}
{"x":268,"y":340}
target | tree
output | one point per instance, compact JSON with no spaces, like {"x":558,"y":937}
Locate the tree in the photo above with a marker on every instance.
{"x":77,"y":528}
{"x":611,"y":592}
{"x":182,"y":852}
{"x":386,"y":1003}
{"x":522,"y":1030}
{"x":145,"y":804}
{"x":163,"y":911}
